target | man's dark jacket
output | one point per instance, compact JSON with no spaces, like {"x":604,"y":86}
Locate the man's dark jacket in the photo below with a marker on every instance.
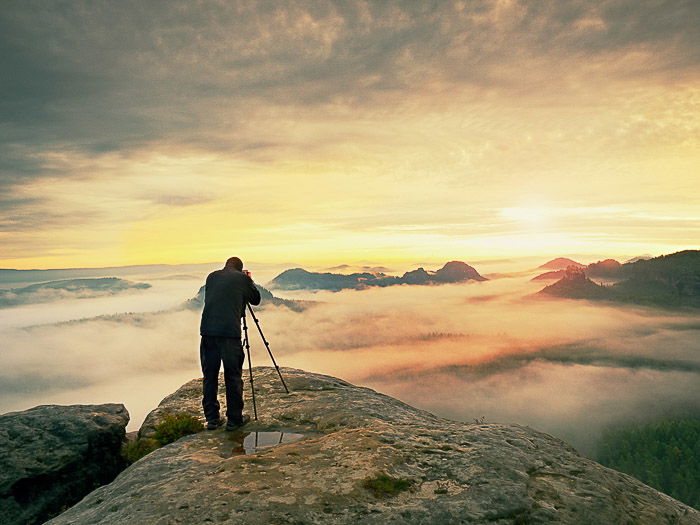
{"x":225,"y":295}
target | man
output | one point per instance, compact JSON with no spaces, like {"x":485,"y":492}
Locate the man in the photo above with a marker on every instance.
{"x":225,"y":296}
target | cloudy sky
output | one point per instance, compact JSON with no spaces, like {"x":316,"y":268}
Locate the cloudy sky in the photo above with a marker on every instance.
{"x":340,"y":131}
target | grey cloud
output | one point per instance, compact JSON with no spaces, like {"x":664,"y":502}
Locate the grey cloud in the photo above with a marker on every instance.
{"x":22,"y":215}
{"x":689,"y":325}
{"x":113,"y":76}
{"x":94,"y":78}
{"x":34,"y":87}
{"x":19,"y":163}
{"x":178,"y":200}
{"x":11,"y":203}
{"x":584,"y":29}
{"x":661,"y":24}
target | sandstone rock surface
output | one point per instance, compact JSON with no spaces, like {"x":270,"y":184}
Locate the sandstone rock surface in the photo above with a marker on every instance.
{"x":51,"y":456}
{"x":459,"y":473}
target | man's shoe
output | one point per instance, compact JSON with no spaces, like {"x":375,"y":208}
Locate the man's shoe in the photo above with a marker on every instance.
{"x":213,"y":425}
{"x":233,"y":425}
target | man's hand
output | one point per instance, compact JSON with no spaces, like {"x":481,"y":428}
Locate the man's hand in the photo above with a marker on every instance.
{"x":247,"y":272}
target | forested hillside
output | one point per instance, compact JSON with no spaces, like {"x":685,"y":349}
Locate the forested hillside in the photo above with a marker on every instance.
{"x":664,"y":455}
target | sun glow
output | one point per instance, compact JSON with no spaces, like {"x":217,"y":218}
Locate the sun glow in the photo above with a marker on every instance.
{"x":312,"y":150}
{"x":528,"y":216}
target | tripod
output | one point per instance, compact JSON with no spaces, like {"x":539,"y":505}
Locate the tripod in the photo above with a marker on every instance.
{"x":247,"y":349}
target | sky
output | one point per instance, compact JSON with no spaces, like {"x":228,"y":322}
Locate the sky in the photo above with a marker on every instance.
{"x":340,"y":131}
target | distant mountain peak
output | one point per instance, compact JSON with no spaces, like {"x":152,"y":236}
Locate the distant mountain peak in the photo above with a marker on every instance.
{"x":456,"y":271}
{"x":295,"y":271}
{"x":417,"y":276}
{"x":558,"y":268}
{"x":670,"y":281}
{"x":297,"y":278}
{"x":605,"y":268}
{"x":575,"y":285}
{"x":560,"y":263}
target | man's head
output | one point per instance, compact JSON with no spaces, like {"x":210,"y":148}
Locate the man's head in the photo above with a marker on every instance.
{"x":236,"y":263}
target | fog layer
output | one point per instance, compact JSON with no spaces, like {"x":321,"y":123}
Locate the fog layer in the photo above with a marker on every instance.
{"x":463,"y":351}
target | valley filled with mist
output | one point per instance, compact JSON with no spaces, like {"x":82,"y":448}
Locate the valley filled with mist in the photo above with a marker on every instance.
{"x":489,"y":350}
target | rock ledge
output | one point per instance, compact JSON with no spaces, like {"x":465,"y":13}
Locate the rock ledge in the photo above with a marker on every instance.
{"x":461,"y":473}
{"x":53,"y":455}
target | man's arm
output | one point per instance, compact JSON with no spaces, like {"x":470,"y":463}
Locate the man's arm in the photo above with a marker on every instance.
{"x":253,"y":294}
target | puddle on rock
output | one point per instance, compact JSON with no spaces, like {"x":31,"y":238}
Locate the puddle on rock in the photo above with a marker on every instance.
{"x":242,"y":443}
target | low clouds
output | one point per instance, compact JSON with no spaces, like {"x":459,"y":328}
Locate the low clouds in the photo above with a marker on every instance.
{"x":67,"y":289}
{"x":569,"y":368}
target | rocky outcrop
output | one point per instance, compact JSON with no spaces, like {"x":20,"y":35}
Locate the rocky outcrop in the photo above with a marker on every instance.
{"x":451,"y":272}
{"x":417,"y":276}
{"x":668,"y":281}
{"x":560,"y":263}
{"x":51,"y":456}
{"x":575,"y":285}
{"x":457,"y":272}
{"x":300,"y":279}
{"x":443,"y":471}
{"x":607,"y":268}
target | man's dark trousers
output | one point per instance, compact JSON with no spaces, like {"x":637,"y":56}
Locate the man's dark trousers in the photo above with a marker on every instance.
{"x":212,"y":351}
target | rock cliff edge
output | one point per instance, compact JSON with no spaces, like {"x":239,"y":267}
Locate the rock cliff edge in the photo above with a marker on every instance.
{"x":52,"y":455}
{"x":446,"y":471}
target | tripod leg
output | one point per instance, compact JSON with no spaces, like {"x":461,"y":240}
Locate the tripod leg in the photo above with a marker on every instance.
{"x":267,"y":345}
{"x":250,"y":365}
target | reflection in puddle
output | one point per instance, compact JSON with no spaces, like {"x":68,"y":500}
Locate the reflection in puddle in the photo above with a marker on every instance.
{"x":253,"y":442}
